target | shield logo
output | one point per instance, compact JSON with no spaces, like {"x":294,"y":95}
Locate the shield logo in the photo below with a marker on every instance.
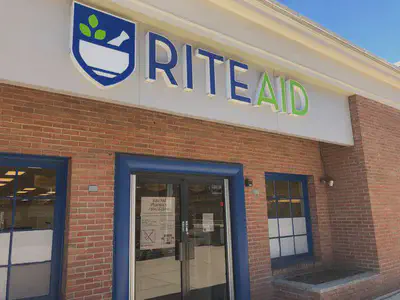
{"x":103,"y":46}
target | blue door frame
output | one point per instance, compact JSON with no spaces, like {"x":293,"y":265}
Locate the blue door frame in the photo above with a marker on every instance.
{"x":129,"y":164}
{"x":60,"y":164}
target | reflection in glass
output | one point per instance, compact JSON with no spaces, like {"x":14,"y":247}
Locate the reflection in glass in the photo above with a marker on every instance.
{"x":7,"y":189}
{"x":7,"y":184}
{"x":284,"y":208}
{"x":270,"y":188}
{"x":5,"y":214}
{"x":297,"y":208}
{"x":271,"y":208}
{"x":158,"y":267}
{"x":207,"y":243}
{"x":282,"y":189}
{"x":296,"y":189}
{"x":36,"y":193}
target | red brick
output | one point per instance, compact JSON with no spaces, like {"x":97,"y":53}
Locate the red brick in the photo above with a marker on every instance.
{"x":91,"y":132}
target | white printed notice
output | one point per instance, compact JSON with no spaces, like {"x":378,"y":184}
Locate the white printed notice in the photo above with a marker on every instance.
{"x":208,"y":222}
{"x":157,"y":223}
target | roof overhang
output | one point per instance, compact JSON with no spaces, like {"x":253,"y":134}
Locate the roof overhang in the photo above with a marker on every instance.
{"x":288,"y":23}
{"x":276,"y":18}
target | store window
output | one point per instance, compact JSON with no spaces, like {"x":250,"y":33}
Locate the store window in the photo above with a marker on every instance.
{"x":288,"y":218}
{"x":32,"y":214}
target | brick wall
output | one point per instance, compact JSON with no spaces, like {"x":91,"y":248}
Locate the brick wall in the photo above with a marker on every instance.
{"x":365,"y":202}
{"x":381,"y":139}
{"x":90,"y":132}
{"x":353,"y":234}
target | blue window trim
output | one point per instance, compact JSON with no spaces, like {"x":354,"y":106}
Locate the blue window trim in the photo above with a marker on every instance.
{"x":127,"y":164}
{"x":60,"y":164}
{"x":286,"y":261}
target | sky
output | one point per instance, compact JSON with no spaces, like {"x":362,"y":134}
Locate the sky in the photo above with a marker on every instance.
{"x":373,"y":25}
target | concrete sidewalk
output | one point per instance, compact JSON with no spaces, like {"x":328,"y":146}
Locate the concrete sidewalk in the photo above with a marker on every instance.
{"x":391,"y":296}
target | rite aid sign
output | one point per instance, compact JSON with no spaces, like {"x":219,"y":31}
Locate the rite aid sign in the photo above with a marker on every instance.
{"x":103,"y":47}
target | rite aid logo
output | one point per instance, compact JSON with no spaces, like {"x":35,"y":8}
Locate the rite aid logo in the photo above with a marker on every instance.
{"x":104,"y":48}
{"x":102,"y":45}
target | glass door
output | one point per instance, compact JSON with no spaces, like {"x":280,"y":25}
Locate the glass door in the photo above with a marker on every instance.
{"x":207,"y":266}
{"x":158,"y":242}
{"x":182,"y":241}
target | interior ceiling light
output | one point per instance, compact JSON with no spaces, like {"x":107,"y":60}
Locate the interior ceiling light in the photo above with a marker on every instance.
{"x":13,"y":173}
{"x":43,"y":194}
{"x":197,"y":188}
{"x":3,"y":184}
{"x":22,"y":192}
{"x":6,"y":179}
{"x":156,"y":187}
{"x":29,"y":189}
{"x":50,"y":193}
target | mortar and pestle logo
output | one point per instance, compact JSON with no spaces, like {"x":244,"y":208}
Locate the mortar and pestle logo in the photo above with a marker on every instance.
{"x":105,"y":61}
{"x":105,"y":50}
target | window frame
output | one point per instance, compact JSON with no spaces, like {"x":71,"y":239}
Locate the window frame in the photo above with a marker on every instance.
{"x":284,"y":261}
{"x":61,"y":166}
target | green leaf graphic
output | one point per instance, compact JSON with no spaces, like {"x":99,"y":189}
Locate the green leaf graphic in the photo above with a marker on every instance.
{"x":100,"y":35}
{"x":85,"y":30}
{"x":93,"y":21}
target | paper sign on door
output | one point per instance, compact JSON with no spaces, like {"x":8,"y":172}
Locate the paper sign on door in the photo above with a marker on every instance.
{"x":157,"y":223}
{"x":208,"y":222}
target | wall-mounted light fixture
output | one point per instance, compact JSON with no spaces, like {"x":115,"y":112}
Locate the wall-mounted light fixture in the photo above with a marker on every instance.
{"x":248,"y":182}
{"x":327,"y":180}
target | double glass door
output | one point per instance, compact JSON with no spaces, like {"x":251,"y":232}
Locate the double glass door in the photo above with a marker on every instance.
{"x":182,"y":238}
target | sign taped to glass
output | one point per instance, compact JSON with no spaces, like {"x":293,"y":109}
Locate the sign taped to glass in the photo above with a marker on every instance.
{"x":208,"y":222}
{"x":157,"y":223}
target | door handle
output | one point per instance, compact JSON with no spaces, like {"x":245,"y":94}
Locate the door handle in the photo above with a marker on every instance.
{"x":179,"y":251}
{"x":191,"y":250}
